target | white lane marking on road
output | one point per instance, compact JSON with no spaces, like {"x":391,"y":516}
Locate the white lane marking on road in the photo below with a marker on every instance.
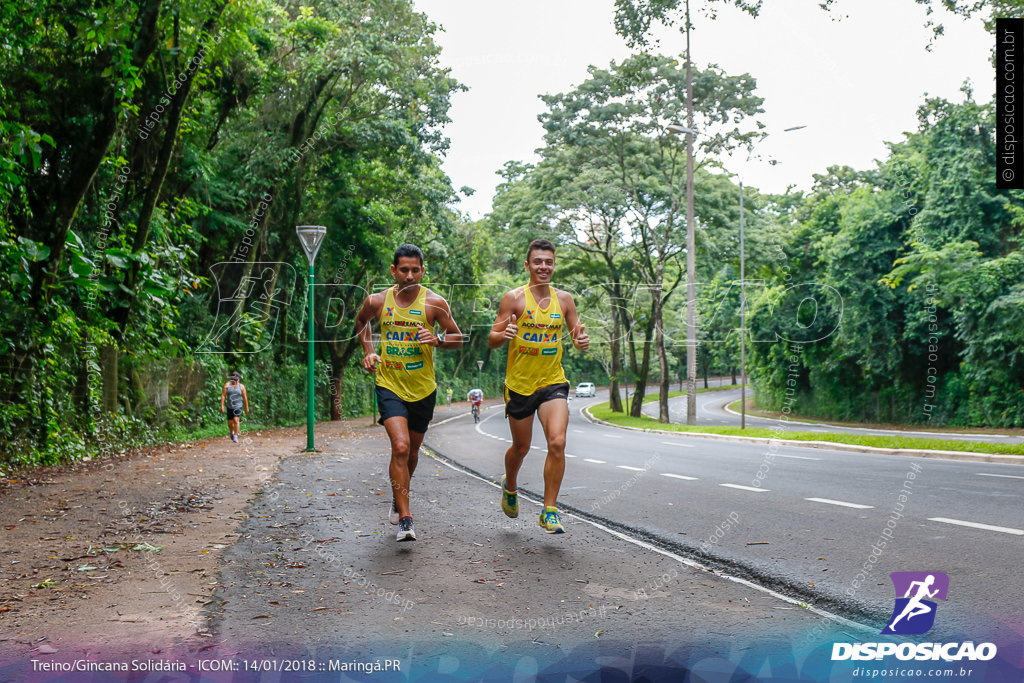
{"x":797,"y":457}
{"x":578,"y":431}
{"x":634,"y":469}
{"x":570,"y":456}
{"x":744,"y":488}
{"x":536,"y":448}
{"x":678,"y":476}
{"x":599,"y":462}
{"x":839,"y":502}
{"x":976,"y":525}
{"x":682,"y":445}
{"x":1008,"y":476}
{"x":613,"y":436}
{"x":682,"y":560}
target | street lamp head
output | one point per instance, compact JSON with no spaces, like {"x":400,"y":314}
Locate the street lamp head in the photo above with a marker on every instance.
{"x":311,"y":237}
{"x":680,"y":130}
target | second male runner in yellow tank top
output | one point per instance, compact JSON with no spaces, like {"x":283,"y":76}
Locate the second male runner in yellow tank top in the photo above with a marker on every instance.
{"x":532,"y":319}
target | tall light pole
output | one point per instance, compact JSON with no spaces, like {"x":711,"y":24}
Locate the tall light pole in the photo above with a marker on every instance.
{"x":479,"y":368}
{"x":311,"y":237}
{"x":691,"y":293}
{"x":743,"y":305}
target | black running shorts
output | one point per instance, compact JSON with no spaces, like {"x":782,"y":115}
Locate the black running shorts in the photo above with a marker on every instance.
{"x":521,"y":407}
{"x":232,"y":413}
{"x":417,"y":413}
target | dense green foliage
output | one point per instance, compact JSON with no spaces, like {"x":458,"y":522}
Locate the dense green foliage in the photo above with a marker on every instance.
{"x":925,"y":255}
{"x":155,"y":159}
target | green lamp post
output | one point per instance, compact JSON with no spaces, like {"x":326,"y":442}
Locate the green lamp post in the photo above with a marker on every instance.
{"x":311,"y":237}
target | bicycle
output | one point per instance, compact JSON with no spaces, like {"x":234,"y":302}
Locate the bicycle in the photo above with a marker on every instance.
{"x":476,"y":412}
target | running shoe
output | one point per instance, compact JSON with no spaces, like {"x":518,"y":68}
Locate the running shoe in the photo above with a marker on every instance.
{"x":393,"y":515}
{"x":234,"y":437}
{"x":509,"y":500}
{"x":405,"y":530}
{"x":550,"y":522}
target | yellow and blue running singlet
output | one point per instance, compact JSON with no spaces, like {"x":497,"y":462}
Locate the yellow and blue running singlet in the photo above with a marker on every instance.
{"x":535,"y":355}
{"x":407,"y":366}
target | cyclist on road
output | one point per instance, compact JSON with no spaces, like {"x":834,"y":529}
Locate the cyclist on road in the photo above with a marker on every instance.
{"x":532,"y":320}
{"x":475,"y":398}
{"x":406,"y":388}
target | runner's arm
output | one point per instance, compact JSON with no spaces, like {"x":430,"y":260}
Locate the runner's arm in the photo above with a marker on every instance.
{"x":223,"y":395}
{"x":442,"y":316}
{"x":245,"y":397}
{"x":577,"y":330}
{"x":505,"y":327}
{"x":369,"y":311}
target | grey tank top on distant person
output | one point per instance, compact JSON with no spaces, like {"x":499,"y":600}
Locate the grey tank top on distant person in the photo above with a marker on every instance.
{"x":235,"y":396}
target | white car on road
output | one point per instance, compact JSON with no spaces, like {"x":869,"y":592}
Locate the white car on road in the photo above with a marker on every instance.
{"x":586,"y":389}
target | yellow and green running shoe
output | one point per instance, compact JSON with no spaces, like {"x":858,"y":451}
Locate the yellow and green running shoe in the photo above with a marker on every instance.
{"x":550,"y":522}
{"x":509,"y":500}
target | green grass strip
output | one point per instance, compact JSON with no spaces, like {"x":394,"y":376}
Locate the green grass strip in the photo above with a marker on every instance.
{"x":603,"y":412}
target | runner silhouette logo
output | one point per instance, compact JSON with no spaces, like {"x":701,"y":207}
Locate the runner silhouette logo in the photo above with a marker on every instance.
{"x":914,"y":612}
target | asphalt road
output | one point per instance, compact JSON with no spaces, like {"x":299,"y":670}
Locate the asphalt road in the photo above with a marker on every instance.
{"x":806,"y":528}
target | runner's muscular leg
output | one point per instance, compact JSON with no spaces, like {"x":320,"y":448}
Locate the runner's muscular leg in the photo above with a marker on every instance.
{"x":554,"y":418}
{"x":522,"y":434}
{"x":415,"y":441}
{"x":397,"y":428}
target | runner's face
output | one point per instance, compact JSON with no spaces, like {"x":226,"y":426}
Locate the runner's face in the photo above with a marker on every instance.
{"x":541,"y":265}
{"x":408,"y":272}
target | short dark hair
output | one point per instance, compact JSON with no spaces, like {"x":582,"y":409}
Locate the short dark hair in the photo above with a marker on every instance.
{"x":407,"y":251}
{"x":542,"y":245}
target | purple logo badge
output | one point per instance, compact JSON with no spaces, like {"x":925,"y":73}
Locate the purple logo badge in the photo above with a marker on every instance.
{"x":914,"y":612}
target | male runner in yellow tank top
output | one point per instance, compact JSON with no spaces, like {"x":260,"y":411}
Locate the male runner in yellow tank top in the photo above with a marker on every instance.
{"x":406,"y":389}
{"x":532,"y":319}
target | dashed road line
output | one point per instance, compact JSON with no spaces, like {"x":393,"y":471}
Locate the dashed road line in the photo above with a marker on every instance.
{"x":599,"y":462}
{"x":634,"y":469}
{"x":796,"y":457}
{"x":678,"y":476}
{"x":1008,"y":476}
{"x":839,"y":502}
{"x":676,"y":443}
{"x":977,"y":525}
{"x":744,"y":488}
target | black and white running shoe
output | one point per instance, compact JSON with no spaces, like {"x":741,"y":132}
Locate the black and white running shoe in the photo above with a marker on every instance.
{"x":405,"y":530}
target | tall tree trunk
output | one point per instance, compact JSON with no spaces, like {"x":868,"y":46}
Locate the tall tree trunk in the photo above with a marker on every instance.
{"x":657,"y":309}
{"x":615,"y":347}
{"x":640,"y":390}
{"x":108,"y":366}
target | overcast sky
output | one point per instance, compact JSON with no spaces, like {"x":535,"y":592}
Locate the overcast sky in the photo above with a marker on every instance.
{"x":854,"y":76}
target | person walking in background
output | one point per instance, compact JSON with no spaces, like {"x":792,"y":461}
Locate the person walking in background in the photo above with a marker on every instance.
{"x":406,"y":388}
{"x":449,"y":395}
{"x":236,"y":398}
{"x":532,"y":319}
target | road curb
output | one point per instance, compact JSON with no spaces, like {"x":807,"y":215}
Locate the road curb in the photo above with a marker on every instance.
{"x":939,"y":455}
